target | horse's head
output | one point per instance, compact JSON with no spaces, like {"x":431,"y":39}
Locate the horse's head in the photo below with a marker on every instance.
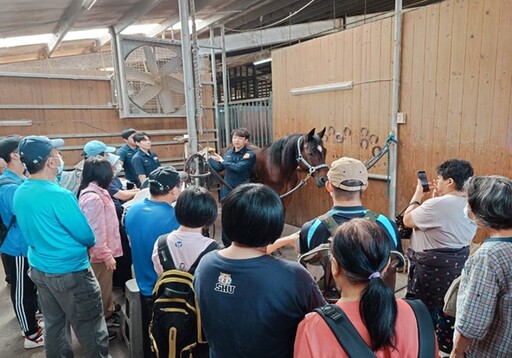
{"x":311,"y":156}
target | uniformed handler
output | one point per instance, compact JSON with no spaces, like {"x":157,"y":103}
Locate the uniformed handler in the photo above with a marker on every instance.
{"x":237,"y":162}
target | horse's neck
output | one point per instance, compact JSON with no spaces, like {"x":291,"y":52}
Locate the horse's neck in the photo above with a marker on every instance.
{"x":290,"y":154}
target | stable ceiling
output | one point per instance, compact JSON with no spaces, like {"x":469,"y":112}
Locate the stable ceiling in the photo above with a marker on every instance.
{"x":57,"y":18}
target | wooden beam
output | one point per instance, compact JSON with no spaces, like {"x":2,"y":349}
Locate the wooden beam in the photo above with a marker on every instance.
{"x":132,"y":15}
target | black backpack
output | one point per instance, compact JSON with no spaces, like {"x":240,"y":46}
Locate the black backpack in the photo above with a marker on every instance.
{"x":3,"y":228}
{"x":175,"y":329}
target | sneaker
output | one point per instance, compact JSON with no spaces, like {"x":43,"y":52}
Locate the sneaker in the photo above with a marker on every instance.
{"x":34,"y":341}
{"x":114,"y":320}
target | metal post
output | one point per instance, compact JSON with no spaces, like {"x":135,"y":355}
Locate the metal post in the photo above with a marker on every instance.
{"x":225,"y":87}
{"x":215,"y":88}
{"x":188,"y":74}
{"x":394,"y":105}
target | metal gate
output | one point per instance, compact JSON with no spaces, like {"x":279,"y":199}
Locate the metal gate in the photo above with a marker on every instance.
{"x":253,"y":114}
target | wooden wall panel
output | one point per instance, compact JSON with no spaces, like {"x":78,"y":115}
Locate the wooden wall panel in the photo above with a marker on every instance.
{"x":455,"y":90}
{"x":78,"y":126}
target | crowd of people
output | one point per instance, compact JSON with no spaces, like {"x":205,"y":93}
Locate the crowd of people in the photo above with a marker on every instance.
{"x":64,"y":254}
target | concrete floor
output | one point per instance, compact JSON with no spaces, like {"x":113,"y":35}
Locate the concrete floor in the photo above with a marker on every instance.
{"x":11,"y":341}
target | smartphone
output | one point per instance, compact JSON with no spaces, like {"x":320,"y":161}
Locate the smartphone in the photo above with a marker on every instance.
{"x":424,"y":182}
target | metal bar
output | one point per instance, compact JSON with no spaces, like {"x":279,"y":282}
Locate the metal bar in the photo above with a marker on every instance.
{"x":225,"y":88}
{"x":393,"y":159}
{"x":215,"y":87}
{"x":55,"y":106}
{"x":154,"y":144}
{"x":151,"y":133}
{"x":252,"y":100}
{"x":378,"y":177}
{"x":54,"y":76}
{"x":188,"y":74}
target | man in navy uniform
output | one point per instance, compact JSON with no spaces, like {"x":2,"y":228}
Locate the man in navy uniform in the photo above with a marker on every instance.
{"x":144,"y":161}
{"x":126,"y":153}
{"x":237,"y":162}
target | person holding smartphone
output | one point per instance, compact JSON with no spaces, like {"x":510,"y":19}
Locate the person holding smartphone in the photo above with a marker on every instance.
{"x":440,"y":241}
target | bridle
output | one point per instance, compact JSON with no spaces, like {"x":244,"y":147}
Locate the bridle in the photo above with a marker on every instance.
{"x":300,"y":159}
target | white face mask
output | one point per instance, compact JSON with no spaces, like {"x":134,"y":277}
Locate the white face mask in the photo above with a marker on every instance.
{"x":118,"y":168}
{"x":466,"y":215}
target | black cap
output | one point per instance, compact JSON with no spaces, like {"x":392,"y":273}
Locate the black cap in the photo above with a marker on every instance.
{"x":126,"y":133}
{"x":33,"y":149}
{"x":8,"y":145}
{"x":165,"y":178}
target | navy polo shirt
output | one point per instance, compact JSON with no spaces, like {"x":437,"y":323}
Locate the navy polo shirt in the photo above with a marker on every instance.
{"x":144,"y":164}
{"x":237,"y":168}
{"x":126,"y":154}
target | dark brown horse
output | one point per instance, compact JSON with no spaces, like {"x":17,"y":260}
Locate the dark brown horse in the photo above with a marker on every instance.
{"x":277,"y":164}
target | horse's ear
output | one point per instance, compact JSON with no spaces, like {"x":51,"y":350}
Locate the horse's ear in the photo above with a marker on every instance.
{"x":321,"y":134}
{"x":311,"y":134}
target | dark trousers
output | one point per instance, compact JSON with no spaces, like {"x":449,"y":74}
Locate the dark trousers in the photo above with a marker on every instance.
{"x":146,"y":306}
{"x":7,"y":270}
{"x":23,"y":293}
{"x":123,"y":271}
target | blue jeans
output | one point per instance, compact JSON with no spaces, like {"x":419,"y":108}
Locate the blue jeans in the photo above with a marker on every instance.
{"x":72,"y":298}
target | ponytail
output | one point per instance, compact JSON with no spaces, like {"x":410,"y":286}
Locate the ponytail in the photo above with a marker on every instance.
{"x":362,"y":250}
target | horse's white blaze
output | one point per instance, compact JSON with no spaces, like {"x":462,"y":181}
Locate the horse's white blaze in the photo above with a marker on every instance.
{"x":320,"y":148}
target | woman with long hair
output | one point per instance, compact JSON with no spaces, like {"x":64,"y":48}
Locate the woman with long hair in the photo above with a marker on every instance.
{"x":388,"y":325}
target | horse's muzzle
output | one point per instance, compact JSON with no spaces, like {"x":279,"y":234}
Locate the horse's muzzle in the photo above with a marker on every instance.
{"x":320,"y":180}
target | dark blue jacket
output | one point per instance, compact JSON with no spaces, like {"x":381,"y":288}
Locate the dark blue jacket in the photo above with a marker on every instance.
{"x":237,"y":168}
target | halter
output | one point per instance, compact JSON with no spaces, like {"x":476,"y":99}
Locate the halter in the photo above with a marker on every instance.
{"x":300,"y":158}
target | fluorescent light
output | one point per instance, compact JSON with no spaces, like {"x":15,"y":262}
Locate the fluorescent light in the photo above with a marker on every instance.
{"x":260,"y":62}
{"x":15,"y":122}
{"x":322,"y":88}
{"x":88,"y":4}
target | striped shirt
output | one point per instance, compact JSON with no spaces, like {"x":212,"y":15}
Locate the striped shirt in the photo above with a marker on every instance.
{"x":484,"y":302}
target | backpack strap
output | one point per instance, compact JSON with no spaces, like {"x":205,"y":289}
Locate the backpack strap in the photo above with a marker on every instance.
{"x":426,"y":335}
{"x":211,"y":247}
{"x":5,"y":181}
{"x":330,"y":224}
{"x":164,"y":254}
{"x":345,"y":332}
{"x":371,"y":215}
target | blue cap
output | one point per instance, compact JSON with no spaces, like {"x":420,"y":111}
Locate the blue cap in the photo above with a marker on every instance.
{"x":95,"y":147}
{"x":33,"y":149}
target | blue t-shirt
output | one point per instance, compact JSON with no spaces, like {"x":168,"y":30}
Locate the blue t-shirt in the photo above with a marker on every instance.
{"x":144,"y":164}
{"x":56,"y":231}
{"x":145,"y":222}
{"x":252,"y":307}
{"x":126,"y":154}
{"x":314,"y":233}
{"x":237,"y":168}
{"x":14,"y":244}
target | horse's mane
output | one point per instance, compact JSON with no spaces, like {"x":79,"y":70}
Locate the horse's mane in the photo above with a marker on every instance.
{"x":283,"y":150}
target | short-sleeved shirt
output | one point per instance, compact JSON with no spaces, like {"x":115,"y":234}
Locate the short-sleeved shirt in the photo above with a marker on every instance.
{"x":440,"y":223}
{"x":14,"y":244}
{"x":251,"y":307}
{"x":55,"y":229}
{"x":126,"y":154}
{"x":315,"y":338}
{"x":484,"y":301}
{"x":314,"y":232}
{"x":237,"y":168}
{"x":145,"y":222}
{"x":144,"y":164}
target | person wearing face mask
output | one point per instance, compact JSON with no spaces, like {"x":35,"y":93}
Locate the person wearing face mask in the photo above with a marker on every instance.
{"x":439,"y":243}
{"x":58,"y":237}
{"x":14,"y":249}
